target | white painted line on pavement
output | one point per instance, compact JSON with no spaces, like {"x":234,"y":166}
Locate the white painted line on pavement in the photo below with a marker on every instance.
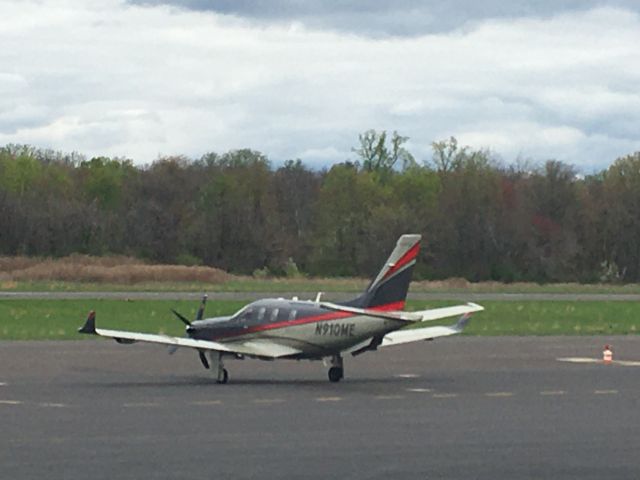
{"x":553,"y":392}
{"x":605,"y":392}
{"x":499,"y":394}
{"x":627,"y":363}
{"x":204,"y":403}
{"x":579,"y":360}
{"x":269,"y":400}
{"x":328,"y":399}
{"x":407,"y":375}
{"x":444,"y":395}
{"x":53,"y":405}
{"x":624,"y":363}
{"x":10,"y":402}
{"x":419,"y":390}
{"x":140,"y":405}
{"x":388,"y":397}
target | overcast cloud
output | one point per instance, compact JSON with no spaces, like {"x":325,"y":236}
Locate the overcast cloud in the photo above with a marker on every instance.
{"x":300,"y":81}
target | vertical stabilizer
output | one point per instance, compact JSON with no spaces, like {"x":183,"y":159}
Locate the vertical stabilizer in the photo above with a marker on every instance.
{"x":389,"y":289}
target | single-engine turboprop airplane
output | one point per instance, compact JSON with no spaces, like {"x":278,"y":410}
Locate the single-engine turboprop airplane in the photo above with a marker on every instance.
{"x":279,"y":328}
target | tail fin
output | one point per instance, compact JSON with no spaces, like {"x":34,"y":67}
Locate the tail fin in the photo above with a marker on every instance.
{"x":389,"y":289}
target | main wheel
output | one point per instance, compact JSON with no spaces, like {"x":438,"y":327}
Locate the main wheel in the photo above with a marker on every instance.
{"x":335,"y":374}
{"x":225,"y":376}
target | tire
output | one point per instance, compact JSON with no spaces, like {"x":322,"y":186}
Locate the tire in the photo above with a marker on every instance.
{"x":225,"y":376}
{"x":335,"y":374}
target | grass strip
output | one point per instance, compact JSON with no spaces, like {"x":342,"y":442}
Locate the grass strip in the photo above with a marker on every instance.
{"x":59,"y":319}
{"x":249,"y":284}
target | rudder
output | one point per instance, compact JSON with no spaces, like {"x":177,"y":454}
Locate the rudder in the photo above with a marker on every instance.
{"x":389,"y":288}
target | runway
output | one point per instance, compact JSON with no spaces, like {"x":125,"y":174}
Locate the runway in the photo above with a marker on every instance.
{"x":465,"y":407}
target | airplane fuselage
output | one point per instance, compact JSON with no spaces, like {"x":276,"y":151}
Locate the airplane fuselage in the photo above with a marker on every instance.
{"x":302,"y":325}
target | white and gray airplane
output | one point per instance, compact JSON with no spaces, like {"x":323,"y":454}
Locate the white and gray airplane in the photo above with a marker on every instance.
{"x":279,"y":328}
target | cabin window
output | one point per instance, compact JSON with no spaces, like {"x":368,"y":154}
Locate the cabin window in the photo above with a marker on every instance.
{"x":292,"y":314}
{"x":261,"y":313}
{"x":274,"y":315}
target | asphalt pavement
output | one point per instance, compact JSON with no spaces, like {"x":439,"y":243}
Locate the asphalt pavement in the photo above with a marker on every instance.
{"x":463,"y":407}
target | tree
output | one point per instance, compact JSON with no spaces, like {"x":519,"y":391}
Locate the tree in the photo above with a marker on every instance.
{"x":621,"y":211}
{"x":103,"y":179}
{"x":379,"y":157}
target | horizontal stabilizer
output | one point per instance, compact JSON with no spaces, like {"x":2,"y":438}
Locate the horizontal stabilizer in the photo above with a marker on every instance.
{"x":445,"y":312}
{"x":408,"y":335}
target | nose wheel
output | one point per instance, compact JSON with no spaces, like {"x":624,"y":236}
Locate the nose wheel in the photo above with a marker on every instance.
{"x":336,"y":372}
{"x":223,"y":376}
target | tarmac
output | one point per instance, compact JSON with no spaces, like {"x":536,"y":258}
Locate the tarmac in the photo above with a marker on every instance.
{"x":464,"y":407}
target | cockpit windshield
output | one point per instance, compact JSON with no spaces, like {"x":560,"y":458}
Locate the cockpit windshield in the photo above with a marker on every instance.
{"x":247,"y":309}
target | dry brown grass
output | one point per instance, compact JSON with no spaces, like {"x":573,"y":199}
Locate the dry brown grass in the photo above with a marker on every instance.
{"x":115,"y":269}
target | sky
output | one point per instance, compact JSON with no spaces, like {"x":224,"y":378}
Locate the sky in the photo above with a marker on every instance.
{"x":301,"y":79}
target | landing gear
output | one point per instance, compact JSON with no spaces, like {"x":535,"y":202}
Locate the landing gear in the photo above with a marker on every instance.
{"x":336,"y":372}
{"x":217,"y":364}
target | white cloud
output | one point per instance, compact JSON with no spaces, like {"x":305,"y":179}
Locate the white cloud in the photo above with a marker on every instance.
{"x":108,"y":78}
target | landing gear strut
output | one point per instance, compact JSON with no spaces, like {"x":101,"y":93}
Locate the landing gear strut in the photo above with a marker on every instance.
{"x":217,"y":364}
{"x":336,"y":372}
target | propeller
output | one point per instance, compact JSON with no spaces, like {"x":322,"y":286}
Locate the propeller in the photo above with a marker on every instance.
{"x":182,"y":317}
{"x":203,"y":359}
{"x":199,"y":316}
{"x":200,"y":312}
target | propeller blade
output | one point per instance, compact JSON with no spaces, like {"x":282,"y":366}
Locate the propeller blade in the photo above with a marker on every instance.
{"x":203,"y":359}
{"x":181,"y":317}
{"x":200,"y":313}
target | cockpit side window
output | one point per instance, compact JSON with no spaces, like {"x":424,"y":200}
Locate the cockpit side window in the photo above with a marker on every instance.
{"x":261,"y":313}
{"x":293,"y":314}
{"x":274,"y":315}
{"x":283,"y":314}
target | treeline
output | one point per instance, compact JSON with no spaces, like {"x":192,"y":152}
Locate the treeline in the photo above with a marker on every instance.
{"x":480,"y":219}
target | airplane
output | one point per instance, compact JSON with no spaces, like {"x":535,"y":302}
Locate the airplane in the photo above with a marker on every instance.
{"x":279,"y":328}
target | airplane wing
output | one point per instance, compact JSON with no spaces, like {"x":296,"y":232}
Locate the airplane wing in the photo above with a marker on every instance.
{"x":419,"y":316}
{"x":259,"y":348}
{"x":408,"y":335}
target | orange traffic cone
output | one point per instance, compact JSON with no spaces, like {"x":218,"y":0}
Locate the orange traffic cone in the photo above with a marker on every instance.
{"x":607,"y":354}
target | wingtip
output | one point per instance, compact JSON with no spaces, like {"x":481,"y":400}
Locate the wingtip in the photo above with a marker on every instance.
{"x":463,"y":321}
{"x":90,"y":324}
{"x":478,"y":308}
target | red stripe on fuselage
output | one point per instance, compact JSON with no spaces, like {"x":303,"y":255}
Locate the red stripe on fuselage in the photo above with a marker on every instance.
{"x":406,"y":258}
{"x":311,"y":319}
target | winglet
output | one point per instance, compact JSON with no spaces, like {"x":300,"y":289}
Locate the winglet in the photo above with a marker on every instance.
{"x":90,"y":325}
{"x":462,"y":322}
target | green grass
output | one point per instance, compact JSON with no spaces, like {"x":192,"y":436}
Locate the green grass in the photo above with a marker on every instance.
{"x":59,"y":319}
{"x":249,"y":284}
{"x":556,"y":318}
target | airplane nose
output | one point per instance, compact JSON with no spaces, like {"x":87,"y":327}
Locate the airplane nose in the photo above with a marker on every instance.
{"x":190,"y":330}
